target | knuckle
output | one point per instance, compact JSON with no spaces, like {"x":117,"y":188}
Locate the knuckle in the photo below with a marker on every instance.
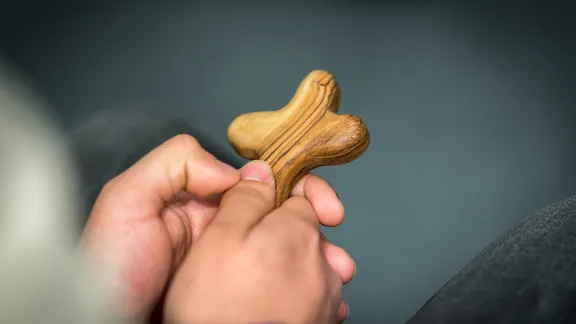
{"x":304,"y":220}
{"x":109,"y":186}
{"x":185,"y":141}
{"x":109,"y":191}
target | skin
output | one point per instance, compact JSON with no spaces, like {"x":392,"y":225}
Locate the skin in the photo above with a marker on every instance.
{"x":167,"y":225}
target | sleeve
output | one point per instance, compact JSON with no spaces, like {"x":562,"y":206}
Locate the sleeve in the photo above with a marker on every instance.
{"x":528,"y":275}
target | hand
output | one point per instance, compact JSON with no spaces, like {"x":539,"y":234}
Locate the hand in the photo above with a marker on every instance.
{"x":147,"y":218}
{"x":257,"y":264}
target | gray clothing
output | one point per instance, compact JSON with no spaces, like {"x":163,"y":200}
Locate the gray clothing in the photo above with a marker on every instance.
{"x":528,"y":275}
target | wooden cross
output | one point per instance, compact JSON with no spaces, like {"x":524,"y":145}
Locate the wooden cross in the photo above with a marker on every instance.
{"x":305,"y":134}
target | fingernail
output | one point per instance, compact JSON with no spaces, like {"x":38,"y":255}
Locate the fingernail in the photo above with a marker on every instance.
{"x":257,"y":171}
{"x":226,"y":167}
{"x":347,"y":311}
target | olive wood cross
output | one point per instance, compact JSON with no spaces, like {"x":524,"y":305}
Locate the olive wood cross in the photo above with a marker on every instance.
{"x":305,"y":134}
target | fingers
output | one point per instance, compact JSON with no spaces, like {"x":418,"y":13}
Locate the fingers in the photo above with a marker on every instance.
{"x":322,"y":197}
{"x":340,"y":261}
{"x":244,"y":205}
{"x":178,"y":164}
{"x":343,"y":265}
{"x":343,"y":312}
{"x":249,"y":205}
{"x":330,"y":212}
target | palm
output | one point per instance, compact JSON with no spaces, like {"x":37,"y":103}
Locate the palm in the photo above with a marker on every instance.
{"x":185,"y":217}
{"x":182,"y":221}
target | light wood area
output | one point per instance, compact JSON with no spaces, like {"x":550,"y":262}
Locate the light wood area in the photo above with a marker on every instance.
{"x":305,"y":134}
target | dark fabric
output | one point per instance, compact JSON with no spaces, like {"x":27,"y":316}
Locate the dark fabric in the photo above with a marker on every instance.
{"x":526,"y":276}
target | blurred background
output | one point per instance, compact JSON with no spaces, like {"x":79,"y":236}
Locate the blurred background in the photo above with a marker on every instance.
{"x":470,"y":108}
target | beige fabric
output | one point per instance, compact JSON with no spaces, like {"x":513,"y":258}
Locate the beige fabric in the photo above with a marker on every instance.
{"x":42,"y":277}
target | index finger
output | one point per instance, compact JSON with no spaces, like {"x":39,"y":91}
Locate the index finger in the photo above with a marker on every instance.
{"x":178,"y":164}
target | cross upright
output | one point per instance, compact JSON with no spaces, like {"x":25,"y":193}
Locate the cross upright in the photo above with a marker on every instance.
{"x":305,"y":134}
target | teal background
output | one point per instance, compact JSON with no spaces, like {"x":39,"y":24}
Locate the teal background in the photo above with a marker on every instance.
{"x":470,"y":107}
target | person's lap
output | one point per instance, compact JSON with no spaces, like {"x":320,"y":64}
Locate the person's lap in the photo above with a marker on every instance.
{"x":528,"y":275}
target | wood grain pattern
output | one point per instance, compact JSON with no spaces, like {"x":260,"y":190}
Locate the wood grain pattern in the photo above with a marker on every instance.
{"x":305,"y":134}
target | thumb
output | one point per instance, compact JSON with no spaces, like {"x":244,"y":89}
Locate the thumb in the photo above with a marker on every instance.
{"x":178,"y":164}
{"x":245,"y":204}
